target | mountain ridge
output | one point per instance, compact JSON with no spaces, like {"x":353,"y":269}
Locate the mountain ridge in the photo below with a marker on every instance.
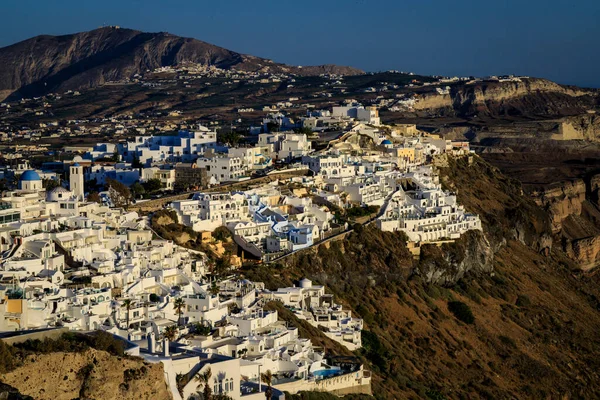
{"x":47,"y":63}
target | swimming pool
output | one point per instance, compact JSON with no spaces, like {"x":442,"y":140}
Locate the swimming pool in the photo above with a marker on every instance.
{"x":324,"y":373}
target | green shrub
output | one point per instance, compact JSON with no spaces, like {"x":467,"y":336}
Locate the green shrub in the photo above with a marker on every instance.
{"x":461,"y":311}
{"x":154,"y":298}
{"x":221,"y":234}
{"x":523,"y":301}
{"x":374,"y":349}
{"x":305,"y":395}
{"x":357,"y":212}
{"x":365,"y":314}
{"x":435,"y":395}
{"x":74,"y":343}
{"x":7,"y":358}
{"x":507,"y":341}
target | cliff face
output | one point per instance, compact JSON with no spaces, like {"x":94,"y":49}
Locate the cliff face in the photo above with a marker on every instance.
{"x":573,"y":208}
{"x":561,"y":200}
{"x":499,"y":201}
{"x":594,"y":189}
{"x":580,"y":127}
{"x":91,"y":374}
{"x":447,"y":264}
{"x":56,"y":63}
{"x":585,"y":251}
{"x":528,"y":97}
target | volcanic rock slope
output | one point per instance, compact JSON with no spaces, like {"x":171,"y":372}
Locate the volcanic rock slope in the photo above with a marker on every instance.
{"x":55,"y":63}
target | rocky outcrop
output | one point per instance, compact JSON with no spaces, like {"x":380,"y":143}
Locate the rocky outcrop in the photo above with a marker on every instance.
{"x":8,"y":392}
{"x":528,"y":97}
{"x":561,"y":200}
{"x":530,"y":230}
{"x":91,"y":374}
{"x":573,"y":208}
{"x":586,"y":251}
{"x":447,"y":264}
{"x":594,"y":190}
{"x":57,"y":63}
{"x":579,"y":127}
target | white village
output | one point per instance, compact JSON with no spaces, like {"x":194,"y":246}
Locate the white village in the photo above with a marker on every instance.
{"x":73,"y":260}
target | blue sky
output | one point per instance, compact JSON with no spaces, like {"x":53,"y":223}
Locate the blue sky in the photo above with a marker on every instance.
{"x":555,"y":39}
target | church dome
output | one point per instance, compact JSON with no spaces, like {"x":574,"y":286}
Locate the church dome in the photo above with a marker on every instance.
{"x":305,"y":283}
{"x":60,"y":189}
{"x":59,"y":193}
{"x":29,"y":176}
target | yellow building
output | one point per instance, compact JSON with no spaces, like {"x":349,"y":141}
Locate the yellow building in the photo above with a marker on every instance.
{"x":407,"y":153}
{"x":406,"y":129}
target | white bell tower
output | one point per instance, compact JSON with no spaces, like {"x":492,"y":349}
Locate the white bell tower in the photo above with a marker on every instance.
{"x":76,"y":181}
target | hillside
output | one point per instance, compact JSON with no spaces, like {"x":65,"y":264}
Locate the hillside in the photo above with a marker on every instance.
{"x":46,"y":64}
{"x":519,"y":324}
{"x":530,"y":97}
{"x":78,"y":366}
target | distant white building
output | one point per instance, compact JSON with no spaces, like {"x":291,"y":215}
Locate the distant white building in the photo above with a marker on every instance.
{"x":164,"y":175}
{"x":119,"y":172}
{"x":253,"y":158}
{"x":100,"y":151}
{"x":208,"y":211}
{"x":184,"y":147}
{"x":223,"y":168}
{"x":369,"y":115}
{"x":285,"y":146}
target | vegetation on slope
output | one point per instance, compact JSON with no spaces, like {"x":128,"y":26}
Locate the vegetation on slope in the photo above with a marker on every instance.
{"x":12,"y":356}
{"x":505,"y":212}
{"x":78,"y":366}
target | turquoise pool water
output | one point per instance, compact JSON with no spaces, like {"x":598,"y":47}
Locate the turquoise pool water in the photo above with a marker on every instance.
{"x":323,"y":373}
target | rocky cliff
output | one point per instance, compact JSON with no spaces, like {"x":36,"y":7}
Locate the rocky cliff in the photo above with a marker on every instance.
{"x":579,"y":127}
{"x":447,"y":264}
{"x":573,"y":209}
{"x":594,"y":189}
{"x":504,"y":210}
{"x":562,"y":200}
{"x":56,"y":63}
{"x":91,"y":374}
{"x":529,"y":97}
{"x":585,"y":251}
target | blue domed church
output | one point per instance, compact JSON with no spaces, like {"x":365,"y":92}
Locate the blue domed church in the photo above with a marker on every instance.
{"x":30,"y":181}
